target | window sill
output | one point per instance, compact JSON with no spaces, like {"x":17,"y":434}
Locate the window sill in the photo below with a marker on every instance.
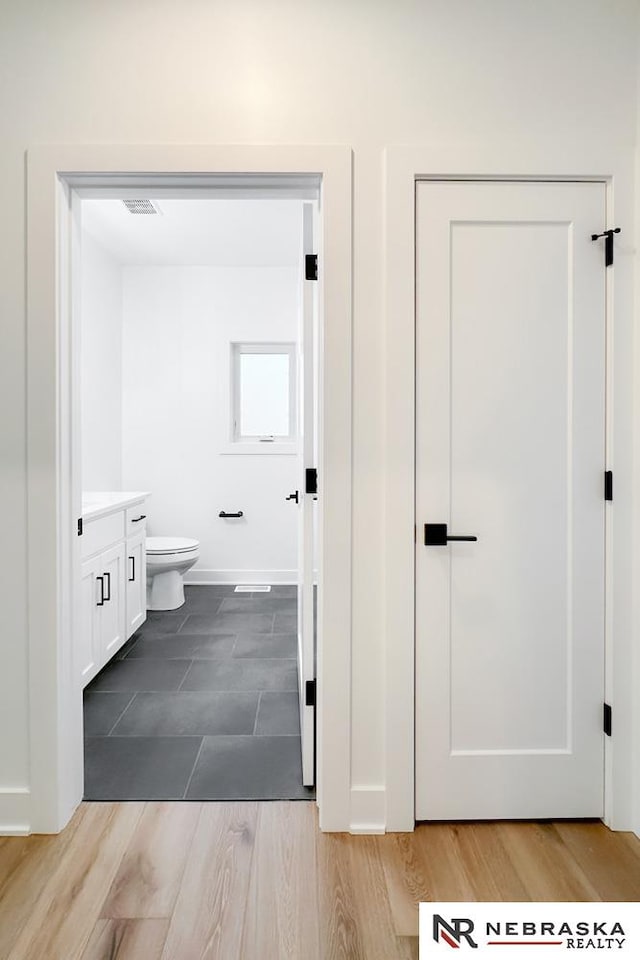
{"x":248,"y":448}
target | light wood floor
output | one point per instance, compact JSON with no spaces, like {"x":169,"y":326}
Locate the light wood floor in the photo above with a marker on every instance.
{"x":257,"y":881}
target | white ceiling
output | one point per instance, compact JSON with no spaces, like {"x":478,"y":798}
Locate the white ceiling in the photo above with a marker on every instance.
{"x":199,"y":232}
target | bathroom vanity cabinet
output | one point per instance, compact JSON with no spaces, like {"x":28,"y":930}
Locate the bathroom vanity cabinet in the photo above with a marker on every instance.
{"x":113,"y":576}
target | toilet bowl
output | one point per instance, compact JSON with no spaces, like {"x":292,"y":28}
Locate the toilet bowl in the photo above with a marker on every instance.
{"x":168,"y":559}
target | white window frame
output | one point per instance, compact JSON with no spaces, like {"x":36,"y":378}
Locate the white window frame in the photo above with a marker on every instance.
{"x":268,"y":444}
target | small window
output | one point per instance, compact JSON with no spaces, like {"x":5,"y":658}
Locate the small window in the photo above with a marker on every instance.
{"x":264,"y":392}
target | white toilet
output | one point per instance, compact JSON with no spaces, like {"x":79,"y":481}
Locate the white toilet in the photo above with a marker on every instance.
{"x":168,"y":559}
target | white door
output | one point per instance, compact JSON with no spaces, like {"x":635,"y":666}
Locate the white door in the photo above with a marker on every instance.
{"x":112,"y":611}
{"x":510,"y":448}
{"x":136,"y":571}
{"x":306,"y":462}
{"x":88,"y":649}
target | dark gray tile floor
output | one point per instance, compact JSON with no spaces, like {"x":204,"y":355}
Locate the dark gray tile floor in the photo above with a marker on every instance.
{"x":200,"y":704}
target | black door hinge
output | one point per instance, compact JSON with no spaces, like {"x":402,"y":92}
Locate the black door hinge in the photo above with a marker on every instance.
{"x":606,"y":719}
{"x":80,"y":527}
{"x":608,"y":484}
{"x":608,"y":244}
{"x":311,"y":266}
{"x":311,"y":480}
{"x":310,"y":693}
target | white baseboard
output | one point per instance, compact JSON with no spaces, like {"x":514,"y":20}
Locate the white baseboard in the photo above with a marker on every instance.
{"x":15,"y":814}
{"x":241,"y":576}
{"x":368,"y":810}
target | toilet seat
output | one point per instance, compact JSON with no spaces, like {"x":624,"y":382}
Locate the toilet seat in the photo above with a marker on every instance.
{"x":163,"y":546}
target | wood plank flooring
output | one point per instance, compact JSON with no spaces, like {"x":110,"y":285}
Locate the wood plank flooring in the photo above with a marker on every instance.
{"x":258,"y":881}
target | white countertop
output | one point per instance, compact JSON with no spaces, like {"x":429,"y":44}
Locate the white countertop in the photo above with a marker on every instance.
{"x":99,"y":504}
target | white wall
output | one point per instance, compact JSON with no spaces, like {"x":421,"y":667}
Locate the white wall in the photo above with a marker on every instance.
{"x":101,"y":363}
{"x":178,"y":326}
{"x":365,"y":73}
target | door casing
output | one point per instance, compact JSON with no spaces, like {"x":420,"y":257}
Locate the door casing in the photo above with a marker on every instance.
{"x":54,"y":173}
{"x":506,"y":161}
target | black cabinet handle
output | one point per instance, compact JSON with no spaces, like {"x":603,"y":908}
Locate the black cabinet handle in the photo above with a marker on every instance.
{"x":132,"y":578}
{"x":294,"y":496}
{"x":142,"y":516}
{"x":100,"y":602}
{"x":226,"y":515}
{"x":435,"y":535}
{"x":107,"y":577}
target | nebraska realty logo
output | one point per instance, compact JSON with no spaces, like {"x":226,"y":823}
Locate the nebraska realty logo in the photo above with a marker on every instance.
{"x":538,"y":926}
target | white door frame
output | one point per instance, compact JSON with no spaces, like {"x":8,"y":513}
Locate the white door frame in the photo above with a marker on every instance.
{"x":54,"y":693}
{"x":404,"y":165}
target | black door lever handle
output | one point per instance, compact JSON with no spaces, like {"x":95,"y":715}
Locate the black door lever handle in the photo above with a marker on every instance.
{"x":435,"y":535}
{"x":293,"y":496}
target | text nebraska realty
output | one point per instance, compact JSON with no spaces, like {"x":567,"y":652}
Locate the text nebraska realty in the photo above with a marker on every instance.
{"x":581,"y":935}
{"x":577,"y":936}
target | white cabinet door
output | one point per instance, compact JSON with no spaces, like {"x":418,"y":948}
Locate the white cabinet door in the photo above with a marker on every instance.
{"x":136,"y":572}
{"x":510,"y":450}
{"x":112,"y":611}
{"x":89,"y":646}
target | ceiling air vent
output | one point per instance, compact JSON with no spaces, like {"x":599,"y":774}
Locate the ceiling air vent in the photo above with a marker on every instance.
{"x":141,"y":206}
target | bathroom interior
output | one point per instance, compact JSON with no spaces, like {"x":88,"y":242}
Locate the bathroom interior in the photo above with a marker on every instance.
{"x":191,"y":427}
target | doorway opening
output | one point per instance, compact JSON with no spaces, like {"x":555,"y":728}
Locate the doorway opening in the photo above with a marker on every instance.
{"x":56,"y":176}
{"x":196,"y":319}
